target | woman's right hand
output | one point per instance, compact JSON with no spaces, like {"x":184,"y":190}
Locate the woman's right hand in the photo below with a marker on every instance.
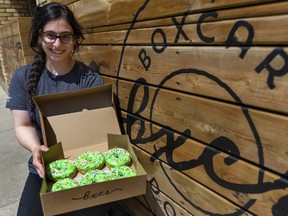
{"x":37,"y":159}
{"x":27,"y":137}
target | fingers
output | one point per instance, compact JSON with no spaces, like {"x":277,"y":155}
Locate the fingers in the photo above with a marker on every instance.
{"x":44,"y":148}
{"x":39,"y":166}
{"x":40,"y":173}
{"x":37,"y":160}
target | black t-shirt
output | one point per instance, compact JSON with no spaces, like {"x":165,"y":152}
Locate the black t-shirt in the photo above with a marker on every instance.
{"x":81,"y":76}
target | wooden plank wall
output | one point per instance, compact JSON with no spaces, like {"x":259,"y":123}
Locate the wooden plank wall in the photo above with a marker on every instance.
{"x":14,"y":48}
{"x":202,"y":90}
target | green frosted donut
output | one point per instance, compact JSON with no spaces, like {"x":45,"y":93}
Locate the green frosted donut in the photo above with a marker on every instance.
{"x":90,"y":161}
{"x":61,"y":169}
{"x":121,"y":172}
{"x":64,"y":184}
{"x":117,"y":157}
{"x":93,"y":176}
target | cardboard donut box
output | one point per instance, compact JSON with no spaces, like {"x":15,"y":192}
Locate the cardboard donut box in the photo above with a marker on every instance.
{"x":74,"y":123}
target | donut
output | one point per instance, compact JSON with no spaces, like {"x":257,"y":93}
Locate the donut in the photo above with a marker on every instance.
{"x":90,"y":160}
{"x":117,"y":157}
{"x":64,"y":184}
{"x":61,"y":169}
{"x":121,"y":172}
{"x":93,"y":176}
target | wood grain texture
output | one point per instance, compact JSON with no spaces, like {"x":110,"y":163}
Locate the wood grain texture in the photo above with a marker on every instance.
{"x":160,"y":204}
{"x":203,"y":99}
{"x":206,"y":120}
{"x":153,"y":203}
{"x":252,"y":187}
{"x":260,"y":10}
{"x":194,"y":198}
{"x":246,"y":31}
{"x":236,"y":180}
{"x":147,"y":204}
{"x":133,"y":207}
{"x":216,"y":72}
{"x":108,"y":12}
{"x":15,"y":49}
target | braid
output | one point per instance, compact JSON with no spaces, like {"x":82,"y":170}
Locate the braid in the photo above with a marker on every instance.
{"x":42,"y":15}
{"x":38,"y":66}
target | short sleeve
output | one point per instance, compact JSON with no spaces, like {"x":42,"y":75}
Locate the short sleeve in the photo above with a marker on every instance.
{"x":89,"y":78}
{"x":17,"y":97}
{"x":95,"y":80}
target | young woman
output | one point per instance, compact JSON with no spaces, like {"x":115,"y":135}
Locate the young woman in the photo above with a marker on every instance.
{"x":55,"y":36}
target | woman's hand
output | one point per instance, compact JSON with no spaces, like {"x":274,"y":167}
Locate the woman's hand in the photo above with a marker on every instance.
{"x":27,"y":137}
{"x":37,"y":159}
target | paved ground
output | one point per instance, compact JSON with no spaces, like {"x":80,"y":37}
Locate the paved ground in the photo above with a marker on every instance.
{"x":13,"y":162}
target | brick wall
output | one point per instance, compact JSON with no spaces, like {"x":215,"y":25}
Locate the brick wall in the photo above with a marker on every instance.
{"x":12,"y":8}
{"x":41,"y":2}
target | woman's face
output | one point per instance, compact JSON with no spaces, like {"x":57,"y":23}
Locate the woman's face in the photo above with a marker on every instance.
{"x":57,"y":49}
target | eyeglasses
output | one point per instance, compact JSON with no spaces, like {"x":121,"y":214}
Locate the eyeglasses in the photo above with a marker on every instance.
{"x":49,"y":37}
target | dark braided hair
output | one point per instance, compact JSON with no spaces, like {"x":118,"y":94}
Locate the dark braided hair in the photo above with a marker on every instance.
{"x":43,"y":15}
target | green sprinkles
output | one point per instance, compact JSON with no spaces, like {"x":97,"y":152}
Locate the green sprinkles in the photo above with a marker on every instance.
{"x":121,"y":172}
{"x":64,"y":184}
{"x":60,"y":169}
{"x":117,"y":157}
{"x":93,"y":177}
{"x":90,"y":161}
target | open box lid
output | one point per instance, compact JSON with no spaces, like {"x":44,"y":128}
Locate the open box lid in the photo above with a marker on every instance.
{"x":77,"y":118}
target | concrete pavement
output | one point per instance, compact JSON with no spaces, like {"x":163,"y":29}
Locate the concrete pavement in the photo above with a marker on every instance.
{"x":13,"y":162}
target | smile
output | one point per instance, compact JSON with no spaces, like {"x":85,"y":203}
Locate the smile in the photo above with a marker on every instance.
{"x":57,"y":52}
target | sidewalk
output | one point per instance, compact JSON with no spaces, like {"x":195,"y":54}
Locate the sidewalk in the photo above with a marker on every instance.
{"x":13,"y":162}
